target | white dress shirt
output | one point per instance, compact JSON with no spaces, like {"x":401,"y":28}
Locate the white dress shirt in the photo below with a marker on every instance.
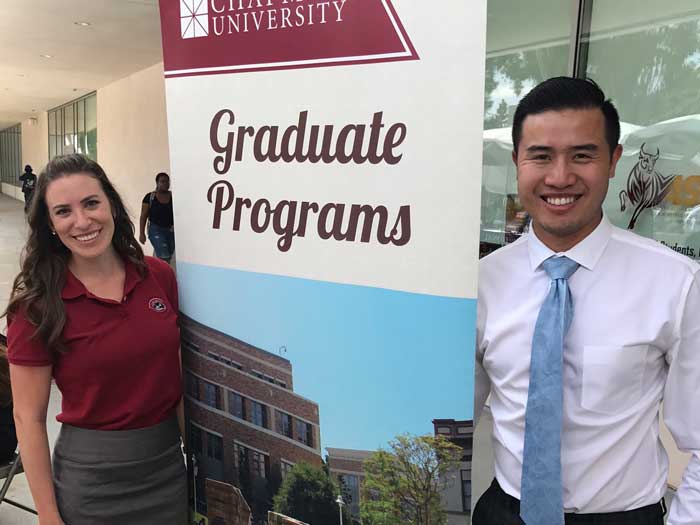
{"x":634,"y":341}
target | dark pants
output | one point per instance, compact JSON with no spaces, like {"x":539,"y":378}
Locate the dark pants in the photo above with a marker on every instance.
{"x":495,"y":507}
{"x":27,"y":200}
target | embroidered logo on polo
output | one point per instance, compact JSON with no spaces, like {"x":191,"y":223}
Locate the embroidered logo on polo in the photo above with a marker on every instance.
{"x":157,"y":305}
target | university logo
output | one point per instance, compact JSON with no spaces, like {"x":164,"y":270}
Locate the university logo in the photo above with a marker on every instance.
{"x":237,"y":36}
{"x":157,"y":305}
{"x":646,"y":187}
{"x":194,"y":18}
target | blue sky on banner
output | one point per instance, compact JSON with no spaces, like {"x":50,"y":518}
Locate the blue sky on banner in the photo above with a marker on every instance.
{"x":378,"y":362}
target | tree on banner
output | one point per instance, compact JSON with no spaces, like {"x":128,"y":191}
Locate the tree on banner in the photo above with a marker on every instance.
{"x":308,"y":494}
{"x":404,"y":484}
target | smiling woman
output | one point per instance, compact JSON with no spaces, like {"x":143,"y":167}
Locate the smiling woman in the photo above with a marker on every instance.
{"x":85,"y":288}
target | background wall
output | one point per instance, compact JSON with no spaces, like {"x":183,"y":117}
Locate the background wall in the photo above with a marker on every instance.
{"x":132,"y":134}
{"x":35,"y":142}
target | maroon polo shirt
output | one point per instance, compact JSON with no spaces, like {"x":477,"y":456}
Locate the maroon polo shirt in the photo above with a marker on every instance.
{"x":122,"y":368}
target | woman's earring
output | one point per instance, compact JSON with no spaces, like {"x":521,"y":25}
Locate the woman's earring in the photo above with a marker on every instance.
{"x":53,"y":232}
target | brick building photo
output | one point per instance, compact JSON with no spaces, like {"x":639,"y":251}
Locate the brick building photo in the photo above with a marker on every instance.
{"x":346,"y":468}
{"x":457,"y":494}
{"x":246,"y":425}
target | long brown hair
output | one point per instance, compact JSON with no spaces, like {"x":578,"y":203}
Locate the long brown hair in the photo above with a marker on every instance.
{"x":5,"y":390}
{"x":36,"y":291}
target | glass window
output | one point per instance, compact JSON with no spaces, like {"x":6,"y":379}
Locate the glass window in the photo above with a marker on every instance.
{"x":73,"y":128}
{"x":11,"y":155}
{"x":215,"y":447}
{"x":236,"y":405}
{"x":284,"y":424}
{"x":258,"y":463}
{"x":192,"y":384}
{"x":304,"y":433}
{"x":285,"y":468}
{"x":518,"y":56}
{"x":466,"y":476}
{"x":350,"y":486}
{"x":240,"y":457}
{"x":69,"y":139}
{"x":196,"y":439}
{"x":91,"y":126}
{"x":81,"y":146}
{"x":258,"y":414}
{"x":649,"y":66}
{"x":212,"y":395}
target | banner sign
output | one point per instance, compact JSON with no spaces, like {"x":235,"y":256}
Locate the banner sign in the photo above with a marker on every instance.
{"x":326,"y":162}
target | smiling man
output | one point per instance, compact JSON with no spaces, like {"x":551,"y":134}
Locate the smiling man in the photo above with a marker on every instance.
{"x":583,"y":330}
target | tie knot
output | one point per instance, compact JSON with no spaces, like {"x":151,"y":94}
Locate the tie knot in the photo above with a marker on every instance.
{"x":560,"y":267}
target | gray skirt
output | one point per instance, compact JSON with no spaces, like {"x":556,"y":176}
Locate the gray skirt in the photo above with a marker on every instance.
{"x":110,"y":477}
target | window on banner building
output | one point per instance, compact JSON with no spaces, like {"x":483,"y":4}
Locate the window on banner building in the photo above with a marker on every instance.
{"x":192,"y":385}
{"x":215,"y":447}
{"x":73,"y":128}
{"x":304,"y":433}
{"x":259,"y":464}
{"x":466,"y":490}
{"x":258,"y":414}
{"x":285,"y":468}
{"x":284,"y":423}
{"x":196,"y":439}
{"x":236,"y":405}
{"x":212,"y":395}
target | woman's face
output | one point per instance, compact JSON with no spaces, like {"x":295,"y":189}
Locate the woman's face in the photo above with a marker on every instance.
{"x":81,"y":215}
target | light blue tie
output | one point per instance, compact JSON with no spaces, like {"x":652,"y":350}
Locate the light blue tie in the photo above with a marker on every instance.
{"x":541,"y":500}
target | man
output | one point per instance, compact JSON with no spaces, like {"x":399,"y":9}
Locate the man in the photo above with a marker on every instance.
{"x":28,"y":180}
{"x":583,"y":330}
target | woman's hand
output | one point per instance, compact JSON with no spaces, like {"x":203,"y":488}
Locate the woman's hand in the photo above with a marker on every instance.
{"x":54,"y":520}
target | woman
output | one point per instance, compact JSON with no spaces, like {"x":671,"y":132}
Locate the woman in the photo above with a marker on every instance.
{"x":157,"y":210}
{"x":8,"y":437}
{"x":89,"y":310}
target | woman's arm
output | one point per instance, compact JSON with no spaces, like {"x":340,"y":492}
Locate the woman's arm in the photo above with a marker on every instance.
{"x":181,"y":405}
{"x":145,"y":208}
{"x":30,"y":392}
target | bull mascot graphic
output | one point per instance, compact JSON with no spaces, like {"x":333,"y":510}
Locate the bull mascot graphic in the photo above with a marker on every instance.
{"x":646,"y":187}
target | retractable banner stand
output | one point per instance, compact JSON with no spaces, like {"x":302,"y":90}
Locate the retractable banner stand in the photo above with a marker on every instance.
{"x":326,"y":162}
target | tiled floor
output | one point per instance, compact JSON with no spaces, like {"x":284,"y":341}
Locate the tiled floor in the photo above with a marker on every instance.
{"x":12,"y":234}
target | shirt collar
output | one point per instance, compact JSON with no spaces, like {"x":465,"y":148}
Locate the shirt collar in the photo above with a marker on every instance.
{"x":74,"y":288}
{"x":586,"y":253}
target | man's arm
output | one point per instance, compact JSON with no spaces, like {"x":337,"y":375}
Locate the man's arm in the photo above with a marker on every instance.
{"x":681,"y":397}
{"x":482,"y":384}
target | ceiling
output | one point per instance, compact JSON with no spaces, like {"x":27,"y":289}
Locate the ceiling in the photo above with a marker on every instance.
{"x":123,"y":37}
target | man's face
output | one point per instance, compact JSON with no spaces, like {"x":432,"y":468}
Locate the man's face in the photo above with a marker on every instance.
{"x":564,"y":166}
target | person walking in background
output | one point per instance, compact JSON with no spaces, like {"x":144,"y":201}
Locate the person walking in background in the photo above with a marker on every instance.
{"x":28,"y":180}
{"x":157,"y":210}
{"x":89,"y":310}
{"x":8,"y":435}
{"x":583,"y":329}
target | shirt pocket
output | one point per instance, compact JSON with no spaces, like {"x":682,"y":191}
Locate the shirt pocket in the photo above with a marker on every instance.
{"x":612,"y":377}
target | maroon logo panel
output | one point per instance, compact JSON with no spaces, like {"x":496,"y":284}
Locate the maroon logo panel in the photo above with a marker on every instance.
{"x":236,"y":36}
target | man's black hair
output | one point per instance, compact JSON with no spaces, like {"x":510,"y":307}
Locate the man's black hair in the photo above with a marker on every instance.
{"x":560,"y":93}
{"x":162,"y":174}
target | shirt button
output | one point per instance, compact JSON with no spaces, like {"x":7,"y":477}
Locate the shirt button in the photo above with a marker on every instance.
{"x":124,"y":300}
